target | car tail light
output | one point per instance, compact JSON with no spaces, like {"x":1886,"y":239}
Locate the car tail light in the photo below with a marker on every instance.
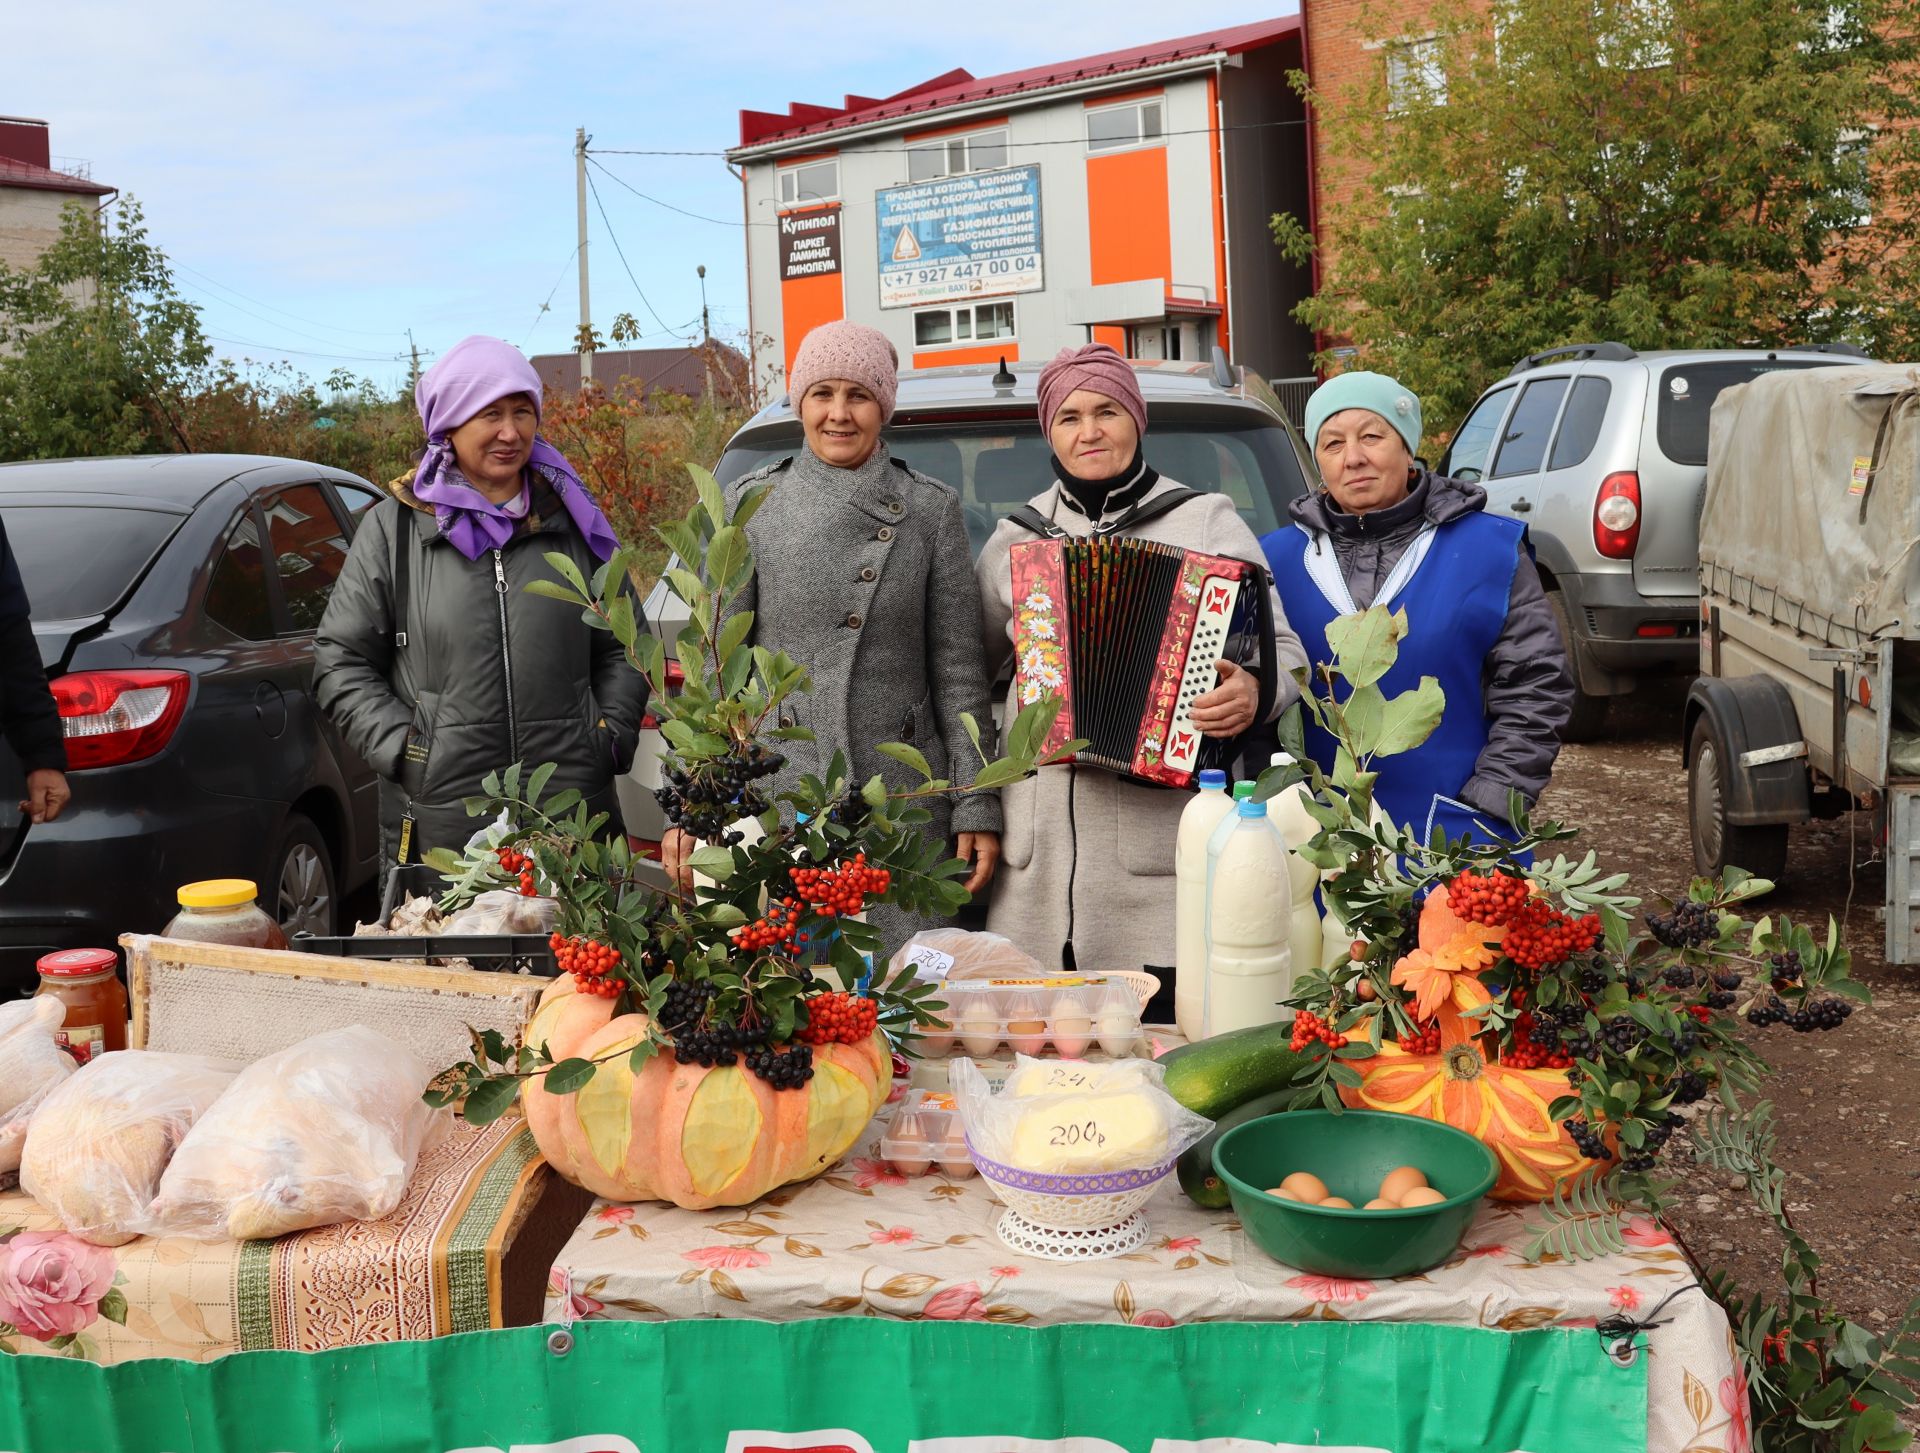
{"x":110,"y":718}
{"x":1657,"y":629}
{"x":1616,"y":516}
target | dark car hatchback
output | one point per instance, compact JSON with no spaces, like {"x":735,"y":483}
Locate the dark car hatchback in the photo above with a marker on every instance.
{"x":175,"y":600}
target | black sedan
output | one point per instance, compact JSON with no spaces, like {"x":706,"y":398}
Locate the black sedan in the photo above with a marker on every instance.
{"x":174,"y":601}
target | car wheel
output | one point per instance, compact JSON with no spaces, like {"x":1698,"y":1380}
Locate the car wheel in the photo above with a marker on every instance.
{"x":1589,"y":716}
{"x":305,"y":897}
{"x":1717,"y":843}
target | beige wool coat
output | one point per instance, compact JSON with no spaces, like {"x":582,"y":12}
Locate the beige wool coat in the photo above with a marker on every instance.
{"x":1087,"y":855}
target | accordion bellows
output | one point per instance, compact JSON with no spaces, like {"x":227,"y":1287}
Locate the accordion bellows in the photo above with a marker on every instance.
{"x":1128,"y":632}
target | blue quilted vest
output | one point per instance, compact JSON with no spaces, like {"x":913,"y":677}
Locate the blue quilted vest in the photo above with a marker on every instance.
{"x":1454,"y":583}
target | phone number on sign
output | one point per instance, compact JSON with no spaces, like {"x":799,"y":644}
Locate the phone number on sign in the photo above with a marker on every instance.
{"x":959,"y":279}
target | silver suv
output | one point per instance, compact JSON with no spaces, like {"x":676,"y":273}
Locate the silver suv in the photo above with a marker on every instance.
{"x":1602,"y":452}
{"x":1213,"y":427}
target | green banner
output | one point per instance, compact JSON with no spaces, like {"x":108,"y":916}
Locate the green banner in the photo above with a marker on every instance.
{"x":846,"y":1385}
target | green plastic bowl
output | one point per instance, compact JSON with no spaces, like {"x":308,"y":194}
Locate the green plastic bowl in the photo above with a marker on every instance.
{"x":1352,"y":1152}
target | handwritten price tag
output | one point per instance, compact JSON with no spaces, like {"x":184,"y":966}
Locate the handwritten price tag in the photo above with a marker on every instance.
{"x":929,"y":963}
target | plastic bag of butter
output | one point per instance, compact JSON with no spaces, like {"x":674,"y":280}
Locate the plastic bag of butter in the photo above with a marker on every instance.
{"x":1072,"y":1117}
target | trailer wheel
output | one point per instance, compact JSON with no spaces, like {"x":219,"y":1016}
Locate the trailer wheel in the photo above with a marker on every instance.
{"x":1717,"y":843}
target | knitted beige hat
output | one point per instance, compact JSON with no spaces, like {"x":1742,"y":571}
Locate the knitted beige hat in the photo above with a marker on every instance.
{"x":852,"y":351}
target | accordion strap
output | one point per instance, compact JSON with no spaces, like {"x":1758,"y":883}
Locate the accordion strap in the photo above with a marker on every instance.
{"x":1027,"y":517}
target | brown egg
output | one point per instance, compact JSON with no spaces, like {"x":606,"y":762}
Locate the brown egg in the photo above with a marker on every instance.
{"x":1337,"y":1203}
{"x":1422,"y":1196}
{"x":1283,"y":1193}
{"x":1305,"y":1187}
{"x":1027,"y":1036}
{"x":1398,"y":1182}
{"x":1381,"y":1206}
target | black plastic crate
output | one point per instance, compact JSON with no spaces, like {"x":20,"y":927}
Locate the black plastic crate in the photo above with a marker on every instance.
{"x":496,"y":953}
{"x":410,"y":880}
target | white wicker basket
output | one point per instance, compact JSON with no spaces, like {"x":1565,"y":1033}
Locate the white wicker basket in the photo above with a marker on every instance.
{"x":1071,"y":1202}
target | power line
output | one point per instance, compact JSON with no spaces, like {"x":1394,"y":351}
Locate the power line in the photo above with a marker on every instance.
{"x":544,"y":307}
{"x":306,"y":352}
{"x":310,"y":322}
{"x":621,"y":253}
{"x":697,"y":216}
{"x":214,"y":300}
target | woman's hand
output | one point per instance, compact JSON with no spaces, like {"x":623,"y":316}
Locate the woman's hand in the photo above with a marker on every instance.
{"x":982,"y":850}
{"x":1228,"y":709}
{"x":676,"y":848}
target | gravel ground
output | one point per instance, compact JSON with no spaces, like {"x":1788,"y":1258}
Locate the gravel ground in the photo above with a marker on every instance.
{"x":1847,"y":1102}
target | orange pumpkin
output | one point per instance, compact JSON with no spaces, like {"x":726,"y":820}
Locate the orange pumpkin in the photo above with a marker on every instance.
{"x":1504,"y":1108}
{"x":676,"y":1132}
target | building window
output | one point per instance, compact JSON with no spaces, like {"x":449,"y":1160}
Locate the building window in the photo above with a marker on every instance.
{"x":810,"y":182}
{"x":1415,"y":75}
{"x":975,"y":323}
{"x":1633,"y":35}
{"x":980,"y":151}
{"x":1142,"y":123}
{"x":1853,"y":184}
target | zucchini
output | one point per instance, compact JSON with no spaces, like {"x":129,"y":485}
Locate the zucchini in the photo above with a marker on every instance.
{"x":1212,"y":1076}
{"x":1197,"y":1177}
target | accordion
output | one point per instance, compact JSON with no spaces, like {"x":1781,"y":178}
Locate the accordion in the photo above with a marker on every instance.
{"x":1127,"y":633}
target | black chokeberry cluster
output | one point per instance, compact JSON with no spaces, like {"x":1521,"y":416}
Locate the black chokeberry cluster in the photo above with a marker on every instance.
{"x":1546,"y":1033}
{"x":1622,"y":1035}
{"x":1767,"y":1012}
{"x":784,"y":1069}
{"x":1684,"y":1041}
{"x":686,"y":1005}
{"x":1720,"y":999}
{"x":706,"y":801}
{"x":1786,"y":967}
{"x":1593,"y":980}
{"x":1821,"y":1014}
{"x":1658,"y":1134}
{"x":1681,"y":976}
{"x":1689,"y":1087}
{"x":1688,"y":926}
{"x":1587,"y":1140}
{"x":1727,"y":979}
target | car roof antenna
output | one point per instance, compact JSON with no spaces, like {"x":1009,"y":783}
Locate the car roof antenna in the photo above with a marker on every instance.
{"x":1004,"y":379}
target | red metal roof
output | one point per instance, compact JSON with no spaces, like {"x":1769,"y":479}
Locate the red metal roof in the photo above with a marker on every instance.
{"x":39,"y":178}
{"x":959,"y":87}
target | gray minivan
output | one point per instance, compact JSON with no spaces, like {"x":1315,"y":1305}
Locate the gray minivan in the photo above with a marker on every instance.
{"x":1602,"y":452}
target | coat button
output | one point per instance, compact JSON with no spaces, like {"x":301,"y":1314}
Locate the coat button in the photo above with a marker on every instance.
{"x":885,"y":533}
{"x":892,"y":506}
{"x":854,"y":620}
{"x":867,"y":574}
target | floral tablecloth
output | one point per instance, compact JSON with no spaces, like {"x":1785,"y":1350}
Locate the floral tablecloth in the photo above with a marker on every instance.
{"x":865,"y":1242}
{"x":447,"y":1260}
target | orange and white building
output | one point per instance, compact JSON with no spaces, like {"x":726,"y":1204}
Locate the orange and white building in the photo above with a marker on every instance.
{"x":1124,"y":198}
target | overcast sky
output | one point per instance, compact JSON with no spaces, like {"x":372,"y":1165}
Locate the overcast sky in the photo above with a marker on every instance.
{"x":325,"y":177}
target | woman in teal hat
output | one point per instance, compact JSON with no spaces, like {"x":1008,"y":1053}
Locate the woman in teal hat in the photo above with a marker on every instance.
{"x":1385,"y":530}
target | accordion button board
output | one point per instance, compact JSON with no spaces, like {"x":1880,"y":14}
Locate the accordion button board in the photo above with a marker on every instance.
{"x":1127,"y":633}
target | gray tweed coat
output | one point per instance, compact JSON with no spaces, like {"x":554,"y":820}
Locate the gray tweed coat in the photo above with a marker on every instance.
{"x":865,"y":576}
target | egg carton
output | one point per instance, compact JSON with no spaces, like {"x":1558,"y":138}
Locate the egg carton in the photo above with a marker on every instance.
{"x":925,"y":1134}
{"x":1072,"y":1016}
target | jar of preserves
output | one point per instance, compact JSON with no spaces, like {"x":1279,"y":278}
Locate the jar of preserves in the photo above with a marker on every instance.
{"x":87,"y":981}
{"x":223,"y":910}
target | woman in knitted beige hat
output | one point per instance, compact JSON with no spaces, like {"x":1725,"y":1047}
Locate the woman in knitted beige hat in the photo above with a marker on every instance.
{"x":863,"y":573}
{"x":1086,"y":877}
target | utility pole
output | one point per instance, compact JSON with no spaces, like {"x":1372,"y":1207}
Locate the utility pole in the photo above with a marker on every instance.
{"x":413,"y":378}
{"x":586,"y":307}
{"x":706,"y":336}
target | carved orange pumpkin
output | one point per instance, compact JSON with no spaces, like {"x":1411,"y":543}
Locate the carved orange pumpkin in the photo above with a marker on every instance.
{"x":1504,"y":1108}
{"x":675,"y":1132}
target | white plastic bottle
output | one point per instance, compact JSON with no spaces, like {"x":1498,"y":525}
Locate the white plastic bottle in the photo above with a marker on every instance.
{"x":1209,"y":808}
{"x":1297,"y":826}
{"x":1249,"y":908}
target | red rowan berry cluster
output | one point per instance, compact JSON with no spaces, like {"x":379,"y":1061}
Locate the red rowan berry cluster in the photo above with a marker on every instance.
{"x":841,"y":890}
{"x":839,"y":1018}
{"x":1493,"y":900}
{"x":771,"y":929}
{"x":1309,"y":1028}
{"x":590,"y":963}
{"x":520,"y":866}
{"x":1524,"y":1054}
{"x":1427,"y":1041}
{"x":1539,"y":937}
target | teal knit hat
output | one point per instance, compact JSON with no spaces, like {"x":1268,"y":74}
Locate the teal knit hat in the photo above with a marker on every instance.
{"x":1375,"y":391}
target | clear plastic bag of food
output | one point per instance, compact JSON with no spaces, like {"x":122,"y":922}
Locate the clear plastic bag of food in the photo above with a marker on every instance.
{"x":1070,"y":1117}
{"x":32,"y":1066}
{"x":503,"y":912}
{"x":100,"y":1142}
{"x":955,"y":953}
{"x":327,"y":1130}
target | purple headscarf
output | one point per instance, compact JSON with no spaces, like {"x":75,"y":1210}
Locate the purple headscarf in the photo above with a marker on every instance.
{"x":470,"y":375}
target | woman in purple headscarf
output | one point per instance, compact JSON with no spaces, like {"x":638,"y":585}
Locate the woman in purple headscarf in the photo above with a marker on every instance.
{"x":433,"y":660}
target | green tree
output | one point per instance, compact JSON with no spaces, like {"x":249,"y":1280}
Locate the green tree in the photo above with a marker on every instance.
{"x":97,"y":350}
{"x":1667,"y":173}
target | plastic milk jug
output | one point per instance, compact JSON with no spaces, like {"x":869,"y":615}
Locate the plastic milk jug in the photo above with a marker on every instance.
{"x":1249,"y":906}
{"x":1209,"y":808}
{"x":1297,"y":827}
